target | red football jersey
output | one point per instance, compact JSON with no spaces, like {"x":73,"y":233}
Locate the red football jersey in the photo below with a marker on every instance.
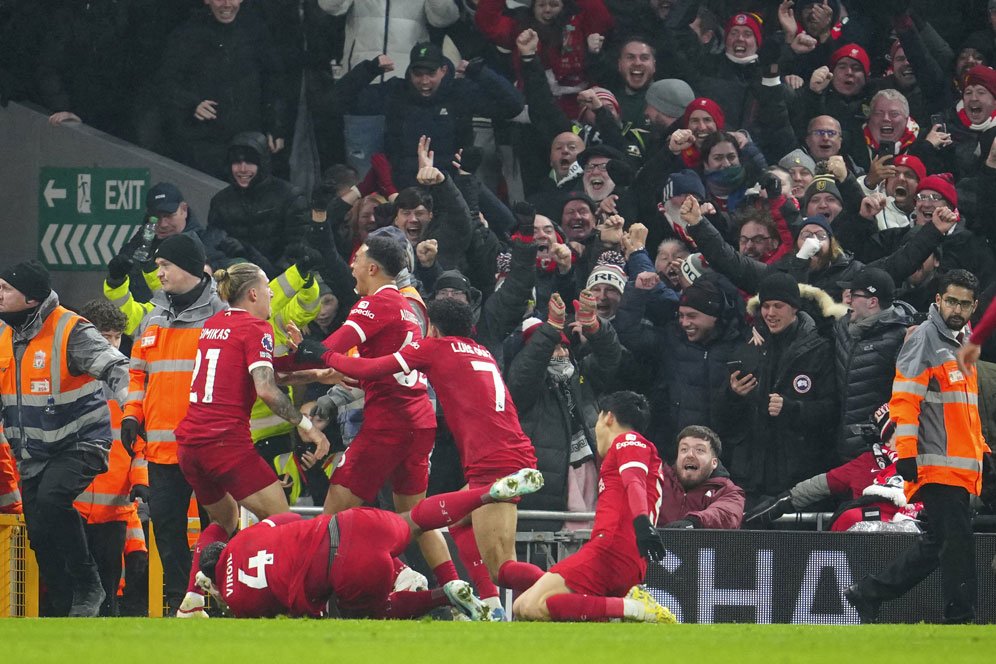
{"x":277,"y":567}
{"x":222,"y":391}
{"x":612,"y":514}
{"x":468,"y":384}
{"x":378,"y":325}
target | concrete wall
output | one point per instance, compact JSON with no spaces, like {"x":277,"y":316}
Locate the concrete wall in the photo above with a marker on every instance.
{"x":28,"y":143}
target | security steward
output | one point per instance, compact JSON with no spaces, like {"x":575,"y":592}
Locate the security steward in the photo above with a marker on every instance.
{"x":55,"y":413}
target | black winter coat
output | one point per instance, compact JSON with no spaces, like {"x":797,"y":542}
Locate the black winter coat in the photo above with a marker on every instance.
{"x":543,"y":410}
{"x":865,"y":364}
{"x":689,"y":376}
{"x":268,"y":215}
{"x":781,"y":451}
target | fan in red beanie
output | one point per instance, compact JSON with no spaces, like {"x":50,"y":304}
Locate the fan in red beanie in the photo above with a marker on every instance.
{"x":702,"y":117}
{"x":977,"y":108}
{"x":743,"y":38}
{"x":927,"y":192}
{"x":848,"y":80}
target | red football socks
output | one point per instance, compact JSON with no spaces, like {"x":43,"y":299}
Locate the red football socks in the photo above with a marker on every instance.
{"x":213,"y":533}
{"x":568,"y":607}
{"x":466,"y":544}
{"x":518,"y":576}
{"x":414,"y":604}
{"x":445,"y":509}
{"x":445,"y":572}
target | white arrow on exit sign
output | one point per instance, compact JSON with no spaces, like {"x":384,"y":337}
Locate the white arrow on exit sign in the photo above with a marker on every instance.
{"x":52,"y":194}
{"x":81,"y":245}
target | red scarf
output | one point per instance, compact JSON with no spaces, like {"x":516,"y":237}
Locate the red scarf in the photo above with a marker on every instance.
{"x":982,"y":126}
{"x":691,"y":157}
{"x":912,"y":128}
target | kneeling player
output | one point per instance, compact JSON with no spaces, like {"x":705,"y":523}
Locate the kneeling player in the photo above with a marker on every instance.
{"x":600,"y":582}
{"x":234,"y":363}
{"x":289,"y":565}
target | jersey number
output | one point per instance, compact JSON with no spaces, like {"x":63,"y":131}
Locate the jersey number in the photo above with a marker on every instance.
{"x":258,"y":563}
{"x":496,"y":377}
{"x":212,"y":367}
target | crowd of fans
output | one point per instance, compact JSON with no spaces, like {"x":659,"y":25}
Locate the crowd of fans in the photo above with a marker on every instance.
{"x":758,"y":200}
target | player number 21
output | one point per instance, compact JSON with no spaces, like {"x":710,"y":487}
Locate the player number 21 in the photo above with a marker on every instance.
{"x":499,"y":386}
{"x":212,"y":366}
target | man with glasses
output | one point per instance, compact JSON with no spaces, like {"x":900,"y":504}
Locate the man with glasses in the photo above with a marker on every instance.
{"x":868,"y":339}
{"x":935,"y":405}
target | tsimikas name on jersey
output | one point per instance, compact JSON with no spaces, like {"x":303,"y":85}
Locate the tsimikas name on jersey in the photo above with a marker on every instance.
{"x":221,"y":333}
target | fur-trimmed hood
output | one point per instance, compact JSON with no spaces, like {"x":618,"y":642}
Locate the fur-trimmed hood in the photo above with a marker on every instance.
{"x":820,"y":302}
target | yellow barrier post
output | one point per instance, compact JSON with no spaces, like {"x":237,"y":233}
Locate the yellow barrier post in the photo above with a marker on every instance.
{"x":155,"y":577}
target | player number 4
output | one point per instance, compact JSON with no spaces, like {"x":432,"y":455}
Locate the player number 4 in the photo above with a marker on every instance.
{"x":499,"y":385}
{"x":212,"y":366}
{"x":258,"y":563}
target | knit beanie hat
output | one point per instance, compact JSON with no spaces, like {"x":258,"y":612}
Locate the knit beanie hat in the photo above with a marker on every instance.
{"x":818,"y":220}
{"x":184,"y":251}
{"x":703,"y":296}
{"x":780,"y":286}
{"x":609,"y":274}
{"x":884,"y":424}
{"x":670,"y":96}
{"x":982,"y":75}
{"x":685,"y":181}
{"x":453,"y":279}
{"x":798,"y":157}
{"x":694,"y":267}
{"x":30,"y":278}
{"x":943,"y":184}
{"x":821,"y":184}
{"x":912,"y":163}
{"x":607,"y":97}
{"x":707,"y":105}
{"x":854,"y":52}
{"x":752,"y":21}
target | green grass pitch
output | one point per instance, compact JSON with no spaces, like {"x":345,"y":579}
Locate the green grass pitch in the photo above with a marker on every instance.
{"x":282,"y":641}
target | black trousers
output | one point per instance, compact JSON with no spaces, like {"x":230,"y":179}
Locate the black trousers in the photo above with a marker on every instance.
{"x":169,"y":497}
{"x":55,"y":528}
{"x":106,"y":542}
{"x":946,"y":542}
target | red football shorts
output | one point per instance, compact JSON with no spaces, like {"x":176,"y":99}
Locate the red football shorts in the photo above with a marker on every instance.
{"x":484,"y":472}
{"x":376,"y":456}
{"x":224,"y":466}
{"x":599,"y":569}
{"x":363,"y":567}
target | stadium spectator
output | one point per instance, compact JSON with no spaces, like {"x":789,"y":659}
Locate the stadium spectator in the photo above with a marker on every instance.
{"x":220,"y":77}
{"x":695,"y":494}
{"x":59,"y":427}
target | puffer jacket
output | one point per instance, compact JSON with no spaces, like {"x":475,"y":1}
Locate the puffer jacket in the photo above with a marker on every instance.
{"x":544,"y":413}
{"x":864,"y":358}
{"x":268,"y":215}
{"x":779,"y":452}
{"x":392,"y":27}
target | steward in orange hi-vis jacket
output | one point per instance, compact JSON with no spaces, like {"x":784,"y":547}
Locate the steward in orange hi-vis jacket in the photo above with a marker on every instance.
{"x":940,"y":445}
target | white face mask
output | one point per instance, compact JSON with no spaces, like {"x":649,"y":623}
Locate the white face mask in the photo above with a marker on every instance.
{"x":560,"y":369}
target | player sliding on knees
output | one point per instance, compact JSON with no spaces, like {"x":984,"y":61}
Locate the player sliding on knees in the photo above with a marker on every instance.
{"x":290,"y":565}
{"x":600,"y":582}
{"x":234,"y":364}
{"x":485,"y":425}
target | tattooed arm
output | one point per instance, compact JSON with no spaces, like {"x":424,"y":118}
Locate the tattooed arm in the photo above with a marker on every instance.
{"x":280,"y":404}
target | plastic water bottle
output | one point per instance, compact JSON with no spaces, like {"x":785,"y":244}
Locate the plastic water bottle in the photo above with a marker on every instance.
{"x":148,"y":235}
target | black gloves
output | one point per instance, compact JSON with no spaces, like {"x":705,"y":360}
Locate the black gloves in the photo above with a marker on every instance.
{"x":119,"y":268}
{"x":770,"y":51}
{"x":682,"y":524}
{"x":324,"y":409}
{"x":621,"y":172}
{"x":310,"y":351}
{"x":473,"y":68}
{"x":308,"y":260}
{"x":648,"y":540}
{"x":907,"y":469}
{"x":525,"y":216}
{"x":470,"y":158}
{"x":384,"y":215}
{"x":772,"y":185}
{"x":769,"y":509}
{"x":988,"y":494}
{"x":130,"y":429}
{"x":140,"y":491}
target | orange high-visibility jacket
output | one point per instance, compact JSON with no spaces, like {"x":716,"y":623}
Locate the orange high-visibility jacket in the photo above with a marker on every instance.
{"x":106,"y":499}
{"x":134,"y":535}
{"x":10,"y":495}
{"x":936,"y":410}
{"x":162,"y":362}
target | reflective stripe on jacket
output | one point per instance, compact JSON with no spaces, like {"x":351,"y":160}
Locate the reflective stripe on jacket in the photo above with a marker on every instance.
{"x":936,"y":410}
{"x":106,"y":499}
{"x":47,"y":408}
{"x":10,"y":495}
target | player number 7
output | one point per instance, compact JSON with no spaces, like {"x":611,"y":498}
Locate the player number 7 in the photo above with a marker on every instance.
{"x":499,"y":385}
